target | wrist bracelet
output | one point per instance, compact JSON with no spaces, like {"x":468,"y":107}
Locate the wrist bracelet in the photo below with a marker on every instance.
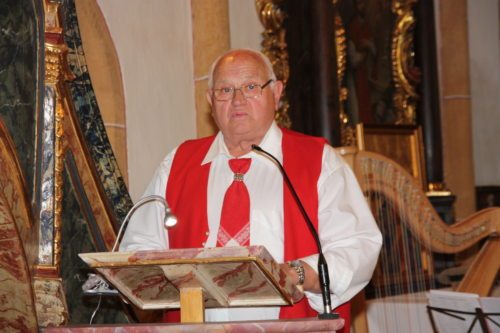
{"x":297,"y":266}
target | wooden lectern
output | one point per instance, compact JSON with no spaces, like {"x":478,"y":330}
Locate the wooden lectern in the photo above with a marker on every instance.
{"x":193,"y":279}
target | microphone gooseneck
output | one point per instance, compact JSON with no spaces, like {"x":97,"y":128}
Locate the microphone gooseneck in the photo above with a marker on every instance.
{"x":96,"y":285}
{"x":324,"y":278}
{"x":169,"y":219}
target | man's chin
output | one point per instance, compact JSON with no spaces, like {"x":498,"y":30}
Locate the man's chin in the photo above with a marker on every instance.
{"x":241,"y":131}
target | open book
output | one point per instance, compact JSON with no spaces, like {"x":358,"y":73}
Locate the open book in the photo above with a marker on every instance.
{"x":229,"y":276}
{"x":458,"y":312}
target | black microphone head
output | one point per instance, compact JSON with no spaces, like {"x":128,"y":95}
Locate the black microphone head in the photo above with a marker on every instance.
{"x":255,"y":147}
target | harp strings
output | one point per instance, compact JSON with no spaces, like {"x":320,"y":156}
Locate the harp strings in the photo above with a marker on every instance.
{"x":404,"y":269}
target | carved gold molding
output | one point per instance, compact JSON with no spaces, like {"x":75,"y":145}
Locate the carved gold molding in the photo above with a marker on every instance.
{"x":58,"y":190}
{"x":347,"y":132}
{"x":55,"y":74}
{"x":274,"y":46}
{"x":406,"y":76}
{"x":51,"y":305}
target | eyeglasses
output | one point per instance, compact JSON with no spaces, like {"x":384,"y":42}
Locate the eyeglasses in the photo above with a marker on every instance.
{"x":250,"y":90}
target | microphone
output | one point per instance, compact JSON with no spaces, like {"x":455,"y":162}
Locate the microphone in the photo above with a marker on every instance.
{"x":95,"y":284}
{"x":324,"y":277}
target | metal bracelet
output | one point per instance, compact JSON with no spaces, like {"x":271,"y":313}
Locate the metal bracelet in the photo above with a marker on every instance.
{"x":299,"y":268}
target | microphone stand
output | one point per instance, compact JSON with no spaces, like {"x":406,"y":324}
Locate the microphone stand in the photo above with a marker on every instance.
{"x":324,"y":276}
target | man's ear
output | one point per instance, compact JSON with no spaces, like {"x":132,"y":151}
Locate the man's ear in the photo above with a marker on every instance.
{"x":209,"y":97}
{"x":277,"y":90}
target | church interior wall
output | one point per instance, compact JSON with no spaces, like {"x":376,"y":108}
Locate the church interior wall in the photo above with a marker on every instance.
{"x":159,"y":75}
{"x":160,"y":97}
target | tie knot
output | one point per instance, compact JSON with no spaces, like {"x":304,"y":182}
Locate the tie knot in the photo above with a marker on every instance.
{"x":240,"y":165}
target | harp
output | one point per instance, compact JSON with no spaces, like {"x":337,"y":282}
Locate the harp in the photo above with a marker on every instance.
{"x":413,"y":232}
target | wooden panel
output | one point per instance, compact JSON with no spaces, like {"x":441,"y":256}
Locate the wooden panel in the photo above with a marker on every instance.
{"x":192,"y":305}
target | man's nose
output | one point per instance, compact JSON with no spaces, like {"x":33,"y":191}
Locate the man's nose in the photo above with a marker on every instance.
{"x":238,"y":96}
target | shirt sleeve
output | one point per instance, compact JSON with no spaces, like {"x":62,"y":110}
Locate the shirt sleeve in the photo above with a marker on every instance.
{"x":145,"y":230}
{"x":349,"y":235}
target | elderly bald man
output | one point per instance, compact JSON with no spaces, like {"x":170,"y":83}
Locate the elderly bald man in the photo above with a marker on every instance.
{"x":244,"y":95}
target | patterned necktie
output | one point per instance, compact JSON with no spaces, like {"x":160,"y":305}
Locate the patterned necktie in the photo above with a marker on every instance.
{"x":235,"y":216}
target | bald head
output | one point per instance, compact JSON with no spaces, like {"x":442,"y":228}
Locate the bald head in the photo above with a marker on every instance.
{"x":231,"y":55}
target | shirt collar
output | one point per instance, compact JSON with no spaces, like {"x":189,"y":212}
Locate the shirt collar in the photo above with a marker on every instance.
{"x":270,"y":143}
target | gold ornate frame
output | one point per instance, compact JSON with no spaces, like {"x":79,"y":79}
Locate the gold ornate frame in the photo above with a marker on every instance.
{"x":406,"y":76}
{"x":403,"y":144}
{"x":274,"y":46}
{"x":404,"y":73}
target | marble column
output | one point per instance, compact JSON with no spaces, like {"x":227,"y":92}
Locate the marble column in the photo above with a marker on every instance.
{"x":456,"y":103}
{"x":210,"y":26}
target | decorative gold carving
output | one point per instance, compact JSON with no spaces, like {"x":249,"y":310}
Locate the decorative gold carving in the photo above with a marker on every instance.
{"x":274,"y":46}
{"x":56,"y":73}
{"x":56,"y":65}
{"x":347,"y":132}
{"x":52,"y":23}
{"x":50,"y":302}
{"x":405,"y":74}
{"x":341,"y":52}
{"x":437,"y":189}
{"x":50,"y":299}
{"x":58,"y":181}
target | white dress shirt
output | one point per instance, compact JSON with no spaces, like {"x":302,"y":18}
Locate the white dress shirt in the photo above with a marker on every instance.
{"x":349,"y":236}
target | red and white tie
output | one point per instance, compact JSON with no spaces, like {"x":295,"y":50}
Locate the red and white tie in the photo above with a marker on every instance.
{"x":235,"y":215}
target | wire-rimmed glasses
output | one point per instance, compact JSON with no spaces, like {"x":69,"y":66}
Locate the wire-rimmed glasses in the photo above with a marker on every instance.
{"x":249,"y":90}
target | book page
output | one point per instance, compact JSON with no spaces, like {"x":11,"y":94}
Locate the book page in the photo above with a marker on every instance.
{"x":454,"y":301}
{"x":491,"y":305}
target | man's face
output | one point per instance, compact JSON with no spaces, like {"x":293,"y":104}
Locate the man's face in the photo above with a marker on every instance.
{"x":240,"y":117}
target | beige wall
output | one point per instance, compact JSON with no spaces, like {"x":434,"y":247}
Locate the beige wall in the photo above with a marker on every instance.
{"x":484,"y":49}
{"x":153,"y":40}
{"x":244,"y":24}
{"x":210,"y":38}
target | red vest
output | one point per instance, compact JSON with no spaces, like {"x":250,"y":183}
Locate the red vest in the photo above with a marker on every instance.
{"x":187,"y":197}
